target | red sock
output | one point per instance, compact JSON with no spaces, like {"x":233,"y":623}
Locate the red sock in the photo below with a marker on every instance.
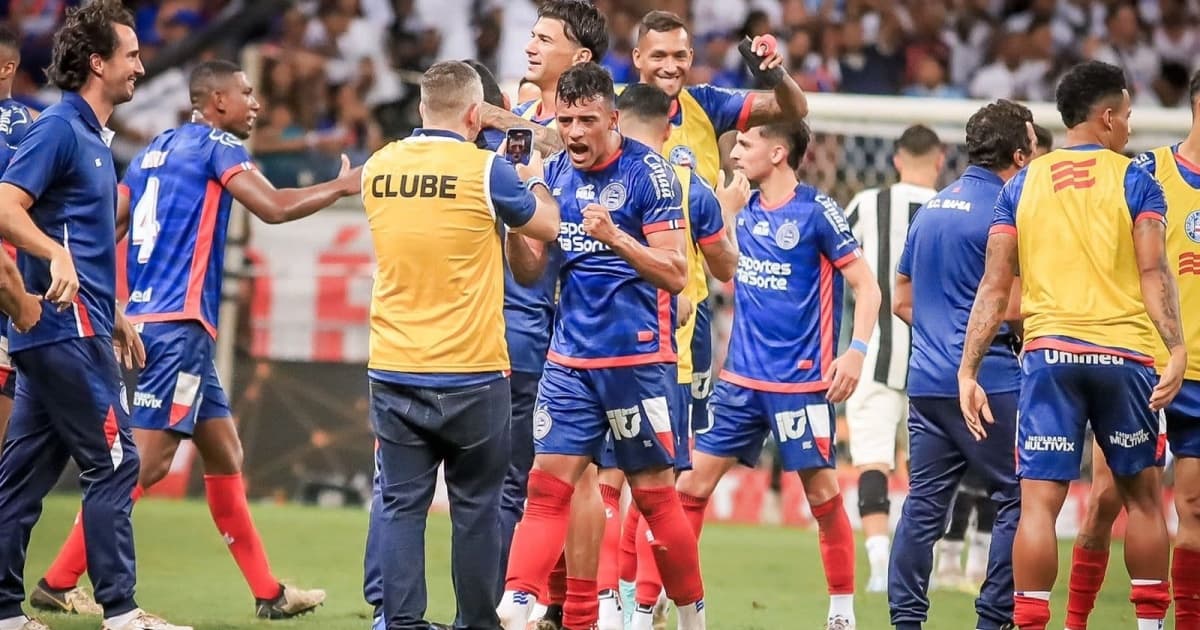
{"x":628,"y":548}
{"x":1031,"y":613}
{"x":556,"y":584}
{"x":71,"y":562}
{"x":539,"y":539}
{"x":678,"y":557}
{"x":649,"y":582}
{"x":837,"y":545}
{"x":1185,"y":578}
{"x":1151,"y":601}
{"x":1087,"y":576}
{"x":694,"y":507}
{"x":231,"y":514}
{"x":606,"y":577}
{"x":581,"y":610}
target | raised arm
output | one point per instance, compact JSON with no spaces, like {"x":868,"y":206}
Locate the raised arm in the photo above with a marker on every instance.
{"x":545,"y":139}
{"x":786,"y":101}
{"x":280,"y":205}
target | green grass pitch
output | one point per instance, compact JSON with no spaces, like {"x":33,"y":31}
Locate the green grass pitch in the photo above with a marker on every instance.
{"x":756,"y":578}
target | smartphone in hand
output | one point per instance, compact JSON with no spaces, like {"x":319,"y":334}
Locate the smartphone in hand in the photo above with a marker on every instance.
{"x":519,"y":144}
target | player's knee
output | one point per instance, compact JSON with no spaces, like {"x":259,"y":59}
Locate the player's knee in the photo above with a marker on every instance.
{"x":820,"y":486}
{"x":873,"y":493}
{"x":153,"y":468}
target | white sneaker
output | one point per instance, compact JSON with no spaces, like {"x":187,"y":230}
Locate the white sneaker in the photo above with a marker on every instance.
{"x":838,"y":622}
{"x":877,"y":584}
{"x":514,"y":610}
{"x":144,"y":621}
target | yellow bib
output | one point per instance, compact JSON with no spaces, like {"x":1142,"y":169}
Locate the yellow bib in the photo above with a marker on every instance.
{"x":1183,"y":253}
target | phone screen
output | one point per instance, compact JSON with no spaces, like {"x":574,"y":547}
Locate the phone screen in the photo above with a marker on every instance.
{"x":520,"y":145}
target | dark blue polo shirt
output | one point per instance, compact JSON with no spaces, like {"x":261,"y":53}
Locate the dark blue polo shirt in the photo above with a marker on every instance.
{"x":65,"y":164}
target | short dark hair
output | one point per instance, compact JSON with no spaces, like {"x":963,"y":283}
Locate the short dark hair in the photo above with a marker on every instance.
{"x":492,"y":94}
{"x":205,"y":76}
{"x":87,"y":31}
{"x":1084,"y":86}
{"x":644,"y":101}
{"x":1045,"y":139}
{"x":660,"y":22}
{"x":997,"y":131}
{"x":584,"y":82}
{"x":9,"y":39}
{"x":583,"y":24}
{"x":795,"y":135}
{"x":919,"y":140}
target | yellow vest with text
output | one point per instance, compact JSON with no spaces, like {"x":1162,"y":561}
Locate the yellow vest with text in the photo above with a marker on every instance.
{"x":1183,"y":253}
{"x":1079,"y":275}
{"x":437,"y":304}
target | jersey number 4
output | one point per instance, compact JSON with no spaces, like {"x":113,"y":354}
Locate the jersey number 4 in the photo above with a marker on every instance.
{"x":145,"y":221}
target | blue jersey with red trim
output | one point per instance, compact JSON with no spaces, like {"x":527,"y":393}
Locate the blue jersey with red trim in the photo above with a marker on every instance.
{"x":65,"y":164}
{"x":787,"y":297}
{"x":14,"y":123}
{"x":179,"y":212}
{"x":608,"y":315}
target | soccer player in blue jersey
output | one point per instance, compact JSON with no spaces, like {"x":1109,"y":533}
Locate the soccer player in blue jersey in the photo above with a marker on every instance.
{"x":623,"y":260}
{"x":58,"y":207}
{"x":1084,"y":227}
{"x":939,"y":271}
{"x":14,"y":123}
{"x":180,"y":189}
{"x":781,"y":376}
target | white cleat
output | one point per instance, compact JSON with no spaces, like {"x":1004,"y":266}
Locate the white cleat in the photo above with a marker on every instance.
{"x":143,"y":621}
{"x":838,"y":622}
{"x":877,"y":584}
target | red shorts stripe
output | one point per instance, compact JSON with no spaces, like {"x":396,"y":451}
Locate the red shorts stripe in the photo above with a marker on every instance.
{"x":1011,"y":230}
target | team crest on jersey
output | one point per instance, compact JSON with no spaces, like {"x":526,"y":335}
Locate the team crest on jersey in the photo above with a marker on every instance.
{"x":613,"y":196}
{"x":1191,"y":226}
{"x":541,"y":423}
{"x":788,"y":235}
{"x":682,"y":156}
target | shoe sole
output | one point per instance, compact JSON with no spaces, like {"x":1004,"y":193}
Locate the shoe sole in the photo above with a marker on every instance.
{"x":276,"y":615}
{"x":42,"y":600}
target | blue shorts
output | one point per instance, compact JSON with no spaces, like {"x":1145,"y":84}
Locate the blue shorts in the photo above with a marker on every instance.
{"x":1062,"y":391}
{"x":576,"y":409}
{"x":179,"y":387}
{"x":680,"y":404}
{"x":1183,"y":421}
{"x":702,"y":376}
{"x":804,"y":427}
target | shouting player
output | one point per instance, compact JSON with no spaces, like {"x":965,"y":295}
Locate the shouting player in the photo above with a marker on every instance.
{"x":14,"y":122}
{"x":1177,"y":169}
{"x":645,"y":117}
{"x":623,"y":260}
{"x":57,"y":206}
{"x":1084,"y":227}
{"x":781,"y":376}
{"x":181,"y":188}
{"x":939,"y":271}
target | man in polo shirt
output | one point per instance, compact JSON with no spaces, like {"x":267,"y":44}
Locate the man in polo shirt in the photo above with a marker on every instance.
{"x":58,"y":207}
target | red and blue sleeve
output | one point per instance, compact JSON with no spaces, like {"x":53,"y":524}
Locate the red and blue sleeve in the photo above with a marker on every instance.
{"x":726,"y":109}
{"x":1004,"y":217}
{"x":508,"y":197}
{"x":658,"y":194}
{"x":229,"y":157}
{"x":704,"y":212}
{"x":1144,"y":195}
{"x":46,"y":152}
{"x":834,"y":238}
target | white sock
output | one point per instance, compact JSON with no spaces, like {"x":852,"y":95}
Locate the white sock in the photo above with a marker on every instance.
{"x":611,"y":617}
{"x":842,"y":605}
{"x":877,"y":553}
{"x":13,"y":623}
{"x":977,"y":554}
{"x":1150,"y":624}
{"x":117,"y":621}
{"x":514,"y":609}
{"x":691,"y":616}
{"x":643,"y":618}
{"x":1042,"y":595}
{"x":950,"y":557}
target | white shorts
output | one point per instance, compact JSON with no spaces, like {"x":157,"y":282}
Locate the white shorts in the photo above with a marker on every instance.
{"x":873,"y":413}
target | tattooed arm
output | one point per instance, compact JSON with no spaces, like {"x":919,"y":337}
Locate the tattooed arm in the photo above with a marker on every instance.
{"x":988,"y":312}
{"x":785,"y":102}
{"x":545,"y":139}
{"x":1161,"y":296}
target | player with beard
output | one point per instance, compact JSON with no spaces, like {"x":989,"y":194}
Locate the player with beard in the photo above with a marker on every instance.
{"x":181,"y":188}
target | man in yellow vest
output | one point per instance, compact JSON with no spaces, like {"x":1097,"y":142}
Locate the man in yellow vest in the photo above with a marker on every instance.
{"x":438,"y":363}
{"x":1085,"y":228}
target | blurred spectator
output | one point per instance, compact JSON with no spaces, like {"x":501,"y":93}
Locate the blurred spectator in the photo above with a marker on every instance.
{"x":1126,"y":49}
{"x":1041,"y":68}
{"x":1001,"y":78}
{"x":516,"y":18}
{"x":622,"y":27}
{"x":870,"y":68}
{"x":926,"y":42}
{"x":812,"y":70}
{"x":1175,"y":39}
{"x":452,"y":21}
{"x":931,"y":81}
{"x":967,"y":35}
{"x":1171,"y":86}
